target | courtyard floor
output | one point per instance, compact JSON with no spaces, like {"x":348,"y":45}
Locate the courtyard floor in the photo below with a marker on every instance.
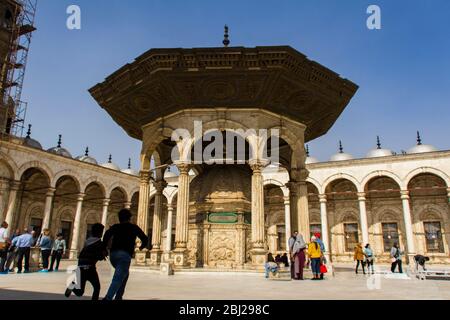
{"x":208,"y":286}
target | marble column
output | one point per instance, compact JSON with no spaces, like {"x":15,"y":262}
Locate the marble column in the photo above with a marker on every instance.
{"x":169,"y":229}
{"x":142,"y":219}
{"x":13,"y":195}
{"x":408,"y":223}
{"x":287,"y":220}
{"x":48,"y":208}
{"x":155,"y":254}
{"x":258,"y":251}
{"x":299,"y":201}
{"x":182,"y":221}
{"x":363,"y":217}
{"x":324,"y":224}
{"x":105,"y":213}
{"x":293,"y":196}
{"x":76,"y":227}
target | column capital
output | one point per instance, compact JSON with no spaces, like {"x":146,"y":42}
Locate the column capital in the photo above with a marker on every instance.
{"x":322,"y":198}
{"x":293,"y":187}
{"x":50,"y":192}
{"x":127,"y":205}
{"x":404,"y":194}
{"x":298,"y":174}
{"x":183,"y":167}
{"x":169,"y":207}
{"x":160,"y":185}
{"x":257,"y":165}
{"x":286,"y":200}
{"x":106,"y":201}
{"x":144,"y":176}
{"x":15,"y":185}
{"x":361,"y":196}
{"x":80,"y":196}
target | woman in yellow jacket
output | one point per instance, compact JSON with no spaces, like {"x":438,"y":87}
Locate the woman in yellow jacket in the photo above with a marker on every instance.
{"x":359,"y":258}
{"x":315,"y":254}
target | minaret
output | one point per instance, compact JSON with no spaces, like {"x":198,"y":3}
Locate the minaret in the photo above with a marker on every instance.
{"x":226,"y":41}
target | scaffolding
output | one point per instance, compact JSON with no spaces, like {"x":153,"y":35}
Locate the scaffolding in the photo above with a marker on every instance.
{"x":13,"y":73}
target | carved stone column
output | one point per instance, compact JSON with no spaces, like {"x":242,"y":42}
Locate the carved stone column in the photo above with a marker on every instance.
{"x":4,"y":186}
{"x":300,"y":200}
{"x":324,"y":224}
{"x":168,"y":246}
{"x":363,"y":217}
{"x":76,"y":227}
{"x":206,"y":228}
{"x":155,"y":253}
{"x":287,"y":220}
{"x":105,"y":213}
{"x":13,"y":189}
{"x":258,"y":233}
{"x":408,"y":223}
{"x":293,"y":198}
{"x":48,"y":208}
{"x":182,"y":223}
{"x":142,"y":219}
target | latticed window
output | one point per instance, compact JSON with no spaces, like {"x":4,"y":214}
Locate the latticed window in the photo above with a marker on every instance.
{"x":351,"y":236}
{"x":433,"y":236}
{"x":390,"y":235}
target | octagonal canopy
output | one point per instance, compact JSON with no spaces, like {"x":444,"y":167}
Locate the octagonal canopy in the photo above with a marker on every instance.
{"x":277,"y":78}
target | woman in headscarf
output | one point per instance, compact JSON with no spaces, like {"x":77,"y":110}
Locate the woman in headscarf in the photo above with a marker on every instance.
{"x":298,"y":256}
{"x":315,"y":254}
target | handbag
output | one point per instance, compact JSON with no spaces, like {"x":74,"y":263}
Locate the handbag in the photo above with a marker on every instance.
{"x":323,"y":268}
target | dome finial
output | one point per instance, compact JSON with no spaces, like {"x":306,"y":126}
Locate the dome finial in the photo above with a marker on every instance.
{"x":378,"y":142}
{"x":86,"y":152}
{"x":419,"y":140}
{"x":226,"y":41}
{"x":110,"y":159}
{"x":307,"y":150}
{"x":29,"y":132}
{"x":341,"y":149}
{"x":59,"y":141}
{"x":129,"y":163}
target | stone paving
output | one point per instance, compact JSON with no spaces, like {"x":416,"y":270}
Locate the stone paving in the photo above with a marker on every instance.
{"x":150,"y":286}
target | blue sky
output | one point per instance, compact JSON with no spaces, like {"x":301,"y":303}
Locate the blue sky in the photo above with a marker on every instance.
{"x":403,"y":70}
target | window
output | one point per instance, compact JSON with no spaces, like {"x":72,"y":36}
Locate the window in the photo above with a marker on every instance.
{"x":433,"y":237}
{"x":314,"y":228}
{"x":351,"y":236}
{"x":390,"y":235}
{"x":281,"y":238}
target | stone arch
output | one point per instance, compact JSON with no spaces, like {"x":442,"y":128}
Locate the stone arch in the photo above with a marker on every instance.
{"x":63,"y":173}
{"x":34,"y":210}
{"x":379,"y":174}
{"x":119,"y":186}
{"x":7,"y":167}
{"x":412,"y":174}
{"x":42,"y":167}
{"x":283,"y":187}
{"x":431,"y":212}
{"x":349,"y":216}
{"x":339,"y":176}
{"x":93,"y":180}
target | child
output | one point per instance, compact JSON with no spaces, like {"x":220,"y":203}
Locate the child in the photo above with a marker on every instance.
{"x":94,"y":250}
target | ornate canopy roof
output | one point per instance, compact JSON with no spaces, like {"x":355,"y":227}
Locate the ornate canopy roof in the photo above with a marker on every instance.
{"x":277,"y":78}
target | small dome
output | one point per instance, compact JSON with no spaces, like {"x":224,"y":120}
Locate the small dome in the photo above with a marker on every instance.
{"x":341,"y":155}
{"x":30,"y":142}
{"x":111,"y":165}
{"x":169,"y":174}
{"x":310,"y":159}
{"x":379,"y":152}
{"x":60,"y":150}
{"x":86,"y":157}
{"x":421,"y":148}
{"x":131,"y":172}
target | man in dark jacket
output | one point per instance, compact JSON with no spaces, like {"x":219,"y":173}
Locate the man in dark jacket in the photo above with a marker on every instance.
{"x":123,"y":240}
{"x":420,"y":261}
{"x":94,"y":250}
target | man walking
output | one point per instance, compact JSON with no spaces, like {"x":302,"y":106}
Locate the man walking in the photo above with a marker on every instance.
{"x":23,"y":243}
{"x":396,"y":257}
{"x":123,"y":238}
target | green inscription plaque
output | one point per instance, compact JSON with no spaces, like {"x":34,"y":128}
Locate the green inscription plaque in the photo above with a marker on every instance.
{"x":223,"y":217}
